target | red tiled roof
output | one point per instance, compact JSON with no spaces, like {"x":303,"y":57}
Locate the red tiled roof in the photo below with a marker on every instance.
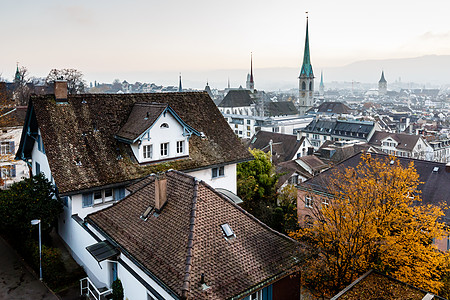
{"x":186,"y":239}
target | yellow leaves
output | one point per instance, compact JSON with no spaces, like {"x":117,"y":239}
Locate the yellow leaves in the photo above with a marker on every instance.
{"x":375,"y":220}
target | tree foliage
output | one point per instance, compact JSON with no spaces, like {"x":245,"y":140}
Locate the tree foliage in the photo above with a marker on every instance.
{"x":31,"y":198}
{"x":74,"y":78}
{"x":256,"y":186}
{"x":375,"y":219}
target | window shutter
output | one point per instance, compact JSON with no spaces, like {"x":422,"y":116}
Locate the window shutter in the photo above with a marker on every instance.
{"x":119,"y":193}
{"x":11,"y":147}
{"x":13,"y":170}
{"x":87,"y":199}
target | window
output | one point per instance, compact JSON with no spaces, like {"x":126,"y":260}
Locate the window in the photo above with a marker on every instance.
{"x":256,"y":296}
{"x":119,"y":194}
{"x":38,"y":168}
{"x":108,"y":195}
{"x":65,"y":201}
{"x":8,"y":171}
{"x":248,"y":122}
{"x":248,"y":128}
{"x":325,"y":201}
{"x":98,"y":197}
{"x":218,"y":172}
{"x":148,"y":151}
{"x":248,"y":134}
{"x":235,"y":125}
{"x":87,"y":200}
{"x":180,"y":147}
{"x":308,"y":201}
{"x":164,"y":149}
{"x":7,"y":148}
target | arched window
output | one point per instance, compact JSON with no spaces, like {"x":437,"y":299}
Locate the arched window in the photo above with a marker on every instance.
{"x":303,"y":85}
{"x":164,"y":125}
{"x":310,"y":86}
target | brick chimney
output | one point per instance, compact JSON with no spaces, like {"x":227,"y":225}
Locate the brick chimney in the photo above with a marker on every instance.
{"x":160,"y":191}
{"x":61,"y":90}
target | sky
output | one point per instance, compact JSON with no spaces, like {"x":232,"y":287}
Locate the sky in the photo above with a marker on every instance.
{"x":154,"y":41}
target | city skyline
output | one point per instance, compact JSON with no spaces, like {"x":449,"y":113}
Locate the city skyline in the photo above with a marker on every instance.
{"x":136,"y":42}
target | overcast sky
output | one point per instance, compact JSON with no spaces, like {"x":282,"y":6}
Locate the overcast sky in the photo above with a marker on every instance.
{"x":106,"y":39}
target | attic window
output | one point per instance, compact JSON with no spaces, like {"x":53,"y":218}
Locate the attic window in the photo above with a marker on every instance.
{"x":164,"y":125}
{"x":227,"y":231}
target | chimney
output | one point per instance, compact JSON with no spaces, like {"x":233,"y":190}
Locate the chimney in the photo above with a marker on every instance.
{"x":160,"y":191}
{"x":447,"y":167}
{"x":61,"y":90}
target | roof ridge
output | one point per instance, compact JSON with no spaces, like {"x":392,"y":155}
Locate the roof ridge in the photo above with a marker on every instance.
{"x":190,"y":244}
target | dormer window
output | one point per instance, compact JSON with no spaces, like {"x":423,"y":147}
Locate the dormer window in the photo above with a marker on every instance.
{"x":151,"y":125}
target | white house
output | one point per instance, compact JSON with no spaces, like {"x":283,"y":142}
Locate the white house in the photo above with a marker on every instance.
{"x":94,"y":146}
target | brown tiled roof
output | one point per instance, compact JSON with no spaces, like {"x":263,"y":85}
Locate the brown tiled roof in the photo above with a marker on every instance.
{"x":405,"y":141}
{"x":434,"y":187}
{"x":83,"y":131}
{"x":334,"y":108}
{"x":315,"y":163}
{"x":142,"y":116}
{"x":185,"y":239}
{"x":284,"y":146}
{"x":237,"y":98}
{"x":288,"y":168}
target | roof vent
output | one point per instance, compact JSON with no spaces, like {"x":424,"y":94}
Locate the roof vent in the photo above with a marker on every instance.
{"x":227,"y":231}
{"x":435,"y":169}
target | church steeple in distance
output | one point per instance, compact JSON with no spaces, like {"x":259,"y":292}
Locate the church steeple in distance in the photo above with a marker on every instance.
{"x":250,"y":84}
{"x":306,"y":78}
{"x":180,"y":87}
{"x":17,"y":77}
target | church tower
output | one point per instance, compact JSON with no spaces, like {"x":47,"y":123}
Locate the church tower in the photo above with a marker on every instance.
{"x":250,"y":84}
{"x":180,"y":86}
{"x":321,"y":86}
{"x":382,"y":85}
{"x":17,"y":76}
{"x":306,"y":80}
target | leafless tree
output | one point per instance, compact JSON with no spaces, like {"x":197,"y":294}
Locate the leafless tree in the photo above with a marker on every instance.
{"x":74,"y":78}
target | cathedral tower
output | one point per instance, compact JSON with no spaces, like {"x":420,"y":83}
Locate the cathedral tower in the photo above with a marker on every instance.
{"x":306,"y":80}
{"x":250,"y":84}
{"x":382,"y":85}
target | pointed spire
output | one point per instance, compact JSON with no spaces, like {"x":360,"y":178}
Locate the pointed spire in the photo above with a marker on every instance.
{"x":382,"y":77}
{"x":306,"y":70}
{"x":228,"y":82}
{"x":251,"y":67}
{"x":321,"y":79}
{"x":17,"y":75}
{"x":180,"y":87}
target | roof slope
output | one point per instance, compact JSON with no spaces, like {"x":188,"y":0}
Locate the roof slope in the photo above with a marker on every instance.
{"x":186,"y":239}
{"x":142,"y":116}
{"x":237,"y":98}
{"x":83,"y":131}
{"x":334,"y":108}
{"x":435,"y":187}
{"x":284,"y":146}
{"x":405,"y":141}
{"x":284,"y":108}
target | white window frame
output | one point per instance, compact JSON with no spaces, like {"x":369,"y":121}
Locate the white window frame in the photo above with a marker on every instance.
{"x":218,"y":172}
{"x":4,"y":148}
{"x":148,"y":151}
{"x":309,"y":201}
{"x":180,"y":147}
{"x":164,"y":149}
{"x":256,"y":295}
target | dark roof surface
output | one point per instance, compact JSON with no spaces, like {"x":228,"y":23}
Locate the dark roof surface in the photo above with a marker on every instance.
{"x":142,"y":116}
{"x":333,"y":108}
{"x":237,"y":98}
{"x":284,"y":146}
{"x":285,"y":108}
{"x":83,"y":131}
{"x":435,"y":186}
{"x":405,"y":141}
{"x":375,"y":286}
{"x":186,"y":239}
{"x":315,"y":163}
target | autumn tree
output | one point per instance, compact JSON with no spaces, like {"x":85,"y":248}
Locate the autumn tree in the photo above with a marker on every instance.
{"x":74,"y":78}
{"x":374,"y":219}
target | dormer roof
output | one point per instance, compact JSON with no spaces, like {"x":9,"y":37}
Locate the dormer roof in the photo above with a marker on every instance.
{"x":142,"y":117}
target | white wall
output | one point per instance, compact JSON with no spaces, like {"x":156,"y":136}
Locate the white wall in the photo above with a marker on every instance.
{"x":158,"y":135}
{"x":228,"y":181}
{"x":13,"y":134}
{"x":41,"y":158}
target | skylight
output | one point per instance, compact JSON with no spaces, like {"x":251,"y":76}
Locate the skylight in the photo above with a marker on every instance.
{"x":435,"y":169}
{"x":227,"y":231}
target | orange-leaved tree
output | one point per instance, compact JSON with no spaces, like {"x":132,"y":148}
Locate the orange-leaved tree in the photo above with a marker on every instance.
{"x":374,"y":219}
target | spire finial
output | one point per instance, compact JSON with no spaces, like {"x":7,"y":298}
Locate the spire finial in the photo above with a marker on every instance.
{"x":306,"y":15}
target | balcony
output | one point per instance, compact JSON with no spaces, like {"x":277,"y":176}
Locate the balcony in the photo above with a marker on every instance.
{"x":89,"y":290}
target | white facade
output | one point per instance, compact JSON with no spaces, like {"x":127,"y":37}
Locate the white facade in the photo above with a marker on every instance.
{"x":421,"y":150}
{"x":164,"y":140}
{"x":215,"y":178}
{"x":11,"y":170}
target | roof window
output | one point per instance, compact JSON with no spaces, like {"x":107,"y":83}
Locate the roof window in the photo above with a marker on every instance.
{"x":227,"y":231}
{"x":435,"y":169}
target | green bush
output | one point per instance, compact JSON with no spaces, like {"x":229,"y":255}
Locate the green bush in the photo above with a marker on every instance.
{"x":117,"y":290}
{"x":53,"y":270}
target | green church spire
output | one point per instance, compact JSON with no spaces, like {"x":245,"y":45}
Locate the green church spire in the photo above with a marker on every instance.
{"x":17,"y":76}
{"x":306,"y":70}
